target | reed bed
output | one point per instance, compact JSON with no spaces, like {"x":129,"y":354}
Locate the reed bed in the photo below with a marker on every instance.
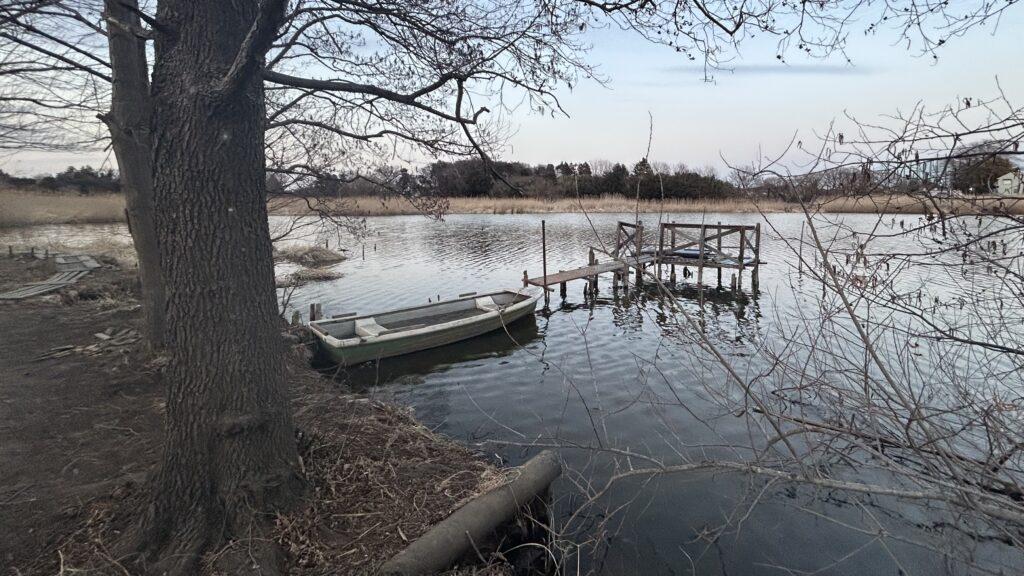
{"x":359,"y":206}
{"x":31,"y":208}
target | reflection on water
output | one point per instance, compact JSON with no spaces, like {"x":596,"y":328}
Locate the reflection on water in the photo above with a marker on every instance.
{"x":623,"y":372}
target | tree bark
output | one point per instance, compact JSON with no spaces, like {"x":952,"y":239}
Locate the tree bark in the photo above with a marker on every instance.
{"x":129,"y":124}
{"x":229,"y":456}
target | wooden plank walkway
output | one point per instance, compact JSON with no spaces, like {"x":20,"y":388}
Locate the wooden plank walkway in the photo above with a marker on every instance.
{"x":588,"y":271}
{"x":70,"y":269}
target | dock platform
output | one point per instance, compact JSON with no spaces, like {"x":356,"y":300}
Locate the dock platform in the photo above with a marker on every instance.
{"x":698,"y":246}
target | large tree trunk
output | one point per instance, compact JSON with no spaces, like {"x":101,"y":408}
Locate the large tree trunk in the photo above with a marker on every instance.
{"x":230,"y":452}
{"x":129,"y":123}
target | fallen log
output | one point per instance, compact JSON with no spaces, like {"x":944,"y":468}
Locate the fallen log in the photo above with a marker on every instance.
{"x":473,"y":523}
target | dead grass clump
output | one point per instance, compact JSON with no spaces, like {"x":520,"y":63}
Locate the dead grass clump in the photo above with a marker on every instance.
{"x":309,"y":255}
{"x":27,"y":208}
{"x":306,"y":276}
{"x":378,"y":479}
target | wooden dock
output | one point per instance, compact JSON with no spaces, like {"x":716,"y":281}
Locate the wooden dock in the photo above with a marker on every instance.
{"x":698,"y":246}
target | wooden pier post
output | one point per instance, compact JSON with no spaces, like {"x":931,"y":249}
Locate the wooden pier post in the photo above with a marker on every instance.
{"x":719,"y":233}
{"x":562,"y":290}
{"x":755,"y":277}
{"x":672,"y":274}
{"x":312,"y":311}
{"x":700,"y":263}
{"x":525,"y":278}
{"x":592,"y":261}
{"x":743,"y":246}
{"x":661,"y":248}
{"x":544,"y":252}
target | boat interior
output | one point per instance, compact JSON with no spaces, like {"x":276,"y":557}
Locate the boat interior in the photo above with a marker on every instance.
{"x":352,"y":326}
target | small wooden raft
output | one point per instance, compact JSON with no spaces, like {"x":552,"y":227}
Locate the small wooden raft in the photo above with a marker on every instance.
{"x":70,"y":269}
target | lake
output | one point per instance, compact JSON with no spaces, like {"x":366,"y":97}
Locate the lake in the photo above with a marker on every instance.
{"x":604,"y":374}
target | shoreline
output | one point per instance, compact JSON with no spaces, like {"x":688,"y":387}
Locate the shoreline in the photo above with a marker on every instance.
{"x":25,"y":208}
{"x":70,"y":495}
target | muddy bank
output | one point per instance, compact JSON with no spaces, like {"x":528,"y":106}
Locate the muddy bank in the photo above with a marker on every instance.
{"x":79,"y":433}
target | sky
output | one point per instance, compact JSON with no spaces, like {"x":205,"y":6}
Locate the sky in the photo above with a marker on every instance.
{"x":754,"y":109}
{"x":758,"y":107}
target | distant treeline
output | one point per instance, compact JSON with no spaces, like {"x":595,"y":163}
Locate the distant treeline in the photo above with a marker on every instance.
{"x":84,"y":180}
{"x":472,"y":178}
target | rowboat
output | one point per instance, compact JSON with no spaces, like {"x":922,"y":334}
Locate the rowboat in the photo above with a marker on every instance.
{"x":351,"y":339}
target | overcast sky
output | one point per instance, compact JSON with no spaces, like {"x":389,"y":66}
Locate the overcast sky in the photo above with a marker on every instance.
{"x":756,"y":107}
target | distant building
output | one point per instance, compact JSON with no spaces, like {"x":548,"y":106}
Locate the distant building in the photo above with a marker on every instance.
{"x":1010,"y":184}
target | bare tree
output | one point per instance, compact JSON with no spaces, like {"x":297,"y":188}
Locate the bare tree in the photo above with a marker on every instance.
{"x":230,"y":90}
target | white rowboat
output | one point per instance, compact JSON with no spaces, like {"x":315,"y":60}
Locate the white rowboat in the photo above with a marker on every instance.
{"x":350,"y":339}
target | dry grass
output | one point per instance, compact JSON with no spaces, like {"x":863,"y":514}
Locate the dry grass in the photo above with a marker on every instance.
{"x":309,"y":255}
{"x":306,"y":276}
{"x":371,"y":206}
{"x":28,"y":208}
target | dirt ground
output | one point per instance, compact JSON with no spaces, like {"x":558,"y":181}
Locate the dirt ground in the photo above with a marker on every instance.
{"x":81,"y":430}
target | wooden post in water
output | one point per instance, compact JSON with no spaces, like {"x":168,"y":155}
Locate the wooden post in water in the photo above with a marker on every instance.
{"x":525,"y":278}
{"x":592,"y":261}
{"x":661,"y":247}
{"x":563,"y":290}
{"x":700,"y":265}
{"x":312,"y":311}
{"x":639,"y":243}
{"x":743,"y":247}
{"x":672,"y":246}
{"x":544,"y":258}
{"x":800,"y":255}
{"x":719,"y":232}
{"x":755,"y":277}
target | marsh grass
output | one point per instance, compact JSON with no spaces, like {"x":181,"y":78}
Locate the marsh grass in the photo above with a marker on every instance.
{"x":359,"y":206}
{"x":31,"y":208}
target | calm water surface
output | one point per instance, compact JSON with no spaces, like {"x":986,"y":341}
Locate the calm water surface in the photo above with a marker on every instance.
{"x":620,"y":373}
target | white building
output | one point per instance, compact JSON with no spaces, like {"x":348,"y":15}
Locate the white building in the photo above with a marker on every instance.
{"x":1010,"y":184}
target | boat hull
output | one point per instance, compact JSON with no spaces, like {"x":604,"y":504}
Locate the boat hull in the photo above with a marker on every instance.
{"x":375,"y":349}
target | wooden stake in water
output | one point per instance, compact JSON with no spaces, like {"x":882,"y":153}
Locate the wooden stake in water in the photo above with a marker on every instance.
{"x":544,"y":251}
{"x":719,"y":232}
{"x":800,"y":255}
